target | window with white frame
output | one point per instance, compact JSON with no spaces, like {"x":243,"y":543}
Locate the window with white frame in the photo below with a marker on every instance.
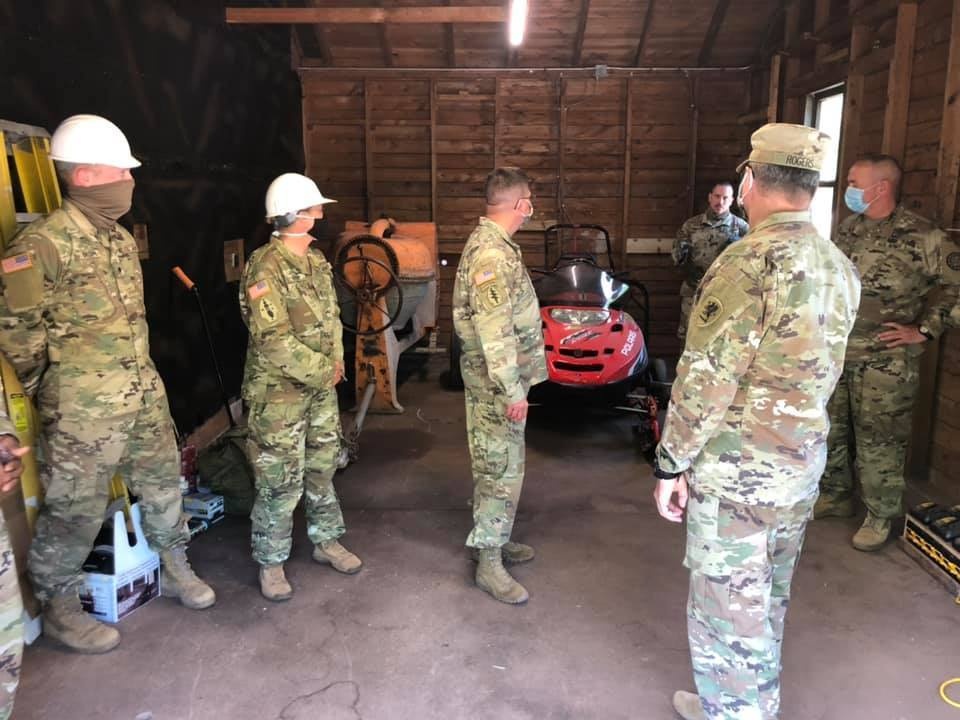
{"x":827,"y":112}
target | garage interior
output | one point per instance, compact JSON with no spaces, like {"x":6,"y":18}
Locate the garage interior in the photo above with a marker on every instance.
{"x":625,"y":113}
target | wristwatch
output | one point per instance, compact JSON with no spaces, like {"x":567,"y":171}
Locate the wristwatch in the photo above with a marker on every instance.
{"x":661,"y":474}
{"x":925,"y":331}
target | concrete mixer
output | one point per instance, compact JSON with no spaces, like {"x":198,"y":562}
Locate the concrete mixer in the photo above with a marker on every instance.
{"x":386,"y":278}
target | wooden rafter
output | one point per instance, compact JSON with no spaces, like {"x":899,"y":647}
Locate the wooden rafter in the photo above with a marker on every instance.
{"x":449,"y":42}
{"x":386,"y":49}
{"x":948,"y":163}
{"x":898,"y":83}
{"x":821,"y":21}
{"x":581,"y":31}
{"x":773,"y":99}
{"x":647,"y":18}
{"x":763,"y":51}
{"x":320,"y":35}
{"x":719,"y":12}
{"x":367,"y":15}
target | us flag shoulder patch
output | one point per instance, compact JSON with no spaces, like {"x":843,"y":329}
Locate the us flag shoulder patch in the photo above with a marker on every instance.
{"x":258,"y":289}
{"x":17,"y":262}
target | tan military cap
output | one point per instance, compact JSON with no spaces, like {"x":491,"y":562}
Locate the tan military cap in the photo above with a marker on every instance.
{"x":796,"y":146}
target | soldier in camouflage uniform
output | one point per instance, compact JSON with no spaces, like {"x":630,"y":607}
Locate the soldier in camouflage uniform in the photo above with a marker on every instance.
{"x":902,"y":259}
{"x":745,"y":436}
{"x":497,"y":318}
{"x":700,"y":240}
{"x":294,"y":361}
{"x":11,"y":605}
{"x":73,"y":324}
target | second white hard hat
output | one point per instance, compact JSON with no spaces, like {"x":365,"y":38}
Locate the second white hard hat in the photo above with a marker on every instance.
{"x":292,"y":192}
{"x":91,"y":140}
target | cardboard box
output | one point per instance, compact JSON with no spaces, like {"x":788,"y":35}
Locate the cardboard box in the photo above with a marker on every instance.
{"x":135,"y":580}
{"x":203,"y":505}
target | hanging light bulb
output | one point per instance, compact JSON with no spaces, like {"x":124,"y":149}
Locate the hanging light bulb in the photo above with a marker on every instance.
{"x":518,"y":21}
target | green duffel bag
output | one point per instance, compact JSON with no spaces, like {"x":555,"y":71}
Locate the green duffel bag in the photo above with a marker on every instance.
{"x":224,"y":468}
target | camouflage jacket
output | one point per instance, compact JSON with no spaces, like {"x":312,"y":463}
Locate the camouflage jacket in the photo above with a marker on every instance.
{"x":765,"y":347}
{"x":6,"y":424}
{"x":290,"y":307}
{"x":496,"y":316}
{"x":700,"y":240}
{"x":72,"y":322}
{"x":901,"y":259}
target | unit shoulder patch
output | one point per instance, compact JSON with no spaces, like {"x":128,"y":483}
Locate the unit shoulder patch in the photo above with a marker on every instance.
{"x":491,"y":295}
{"x":953,"y":261}
{"x":268,"y":311}
{"x":709,"y":311}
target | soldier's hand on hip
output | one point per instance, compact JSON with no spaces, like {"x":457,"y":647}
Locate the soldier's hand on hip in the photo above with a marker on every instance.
{"x":518,"y":411}
{"x":901,"y":335}
{"x":11,"y":467}
{"x":338,"y":372}
{"x":663,"y":496}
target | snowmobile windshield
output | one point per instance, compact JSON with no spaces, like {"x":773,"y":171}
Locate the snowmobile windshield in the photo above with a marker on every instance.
{"x":579,"y":284}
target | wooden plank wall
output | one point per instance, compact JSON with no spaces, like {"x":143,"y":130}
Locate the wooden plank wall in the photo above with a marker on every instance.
{"x":927,"y":137}
{"x":896,"y":50}
{"x":419,"y":146}
{"x":925,"y":111}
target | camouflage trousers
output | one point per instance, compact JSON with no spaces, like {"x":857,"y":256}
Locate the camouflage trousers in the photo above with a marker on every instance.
{"x":741,"y":560}
{"x":687,"y":291}
{"x":293,"y":447}
{"x":80,"y":457}
{"x":870,"y":421}
{"x":497,"y":460}
{"x":11,"y":625}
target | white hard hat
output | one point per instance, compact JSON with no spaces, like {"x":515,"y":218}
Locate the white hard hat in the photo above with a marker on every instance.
{"x":91,"y":140}
{"x":292,"y":192}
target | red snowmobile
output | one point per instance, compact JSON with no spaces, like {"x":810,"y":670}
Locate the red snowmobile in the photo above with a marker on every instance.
{"x":592,"y":343}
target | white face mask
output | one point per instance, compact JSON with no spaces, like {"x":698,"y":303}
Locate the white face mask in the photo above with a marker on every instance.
{"x":526,"y":215}
{"x":740,"y":193}
{"x":298,"y":216}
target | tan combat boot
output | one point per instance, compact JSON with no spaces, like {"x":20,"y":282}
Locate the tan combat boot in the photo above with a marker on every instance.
{"x":65,"y":621}
{"x":829,"y":506}
{"x":494,"y":579}
{"x":335,"y":554}
{"x":180,"y":581}
{"x":273,"y":583}
{"x":688,"y":706}
{"x":872,"y":534}
{"x":513,"y":553}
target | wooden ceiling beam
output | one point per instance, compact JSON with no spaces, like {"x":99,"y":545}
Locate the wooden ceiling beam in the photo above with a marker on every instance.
{"x":367,"y":15}
{"x":581,"y":31}
{"x":647,"y":17}
{"x":716,"y":22}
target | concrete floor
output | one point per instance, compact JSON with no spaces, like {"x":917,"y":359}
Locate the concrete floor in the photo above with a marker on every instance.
{"x":603,"y":636}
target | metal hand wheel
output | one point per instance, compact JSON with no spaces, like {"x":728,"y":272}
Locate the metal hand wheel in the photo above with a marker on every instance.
{"x":369,"y":279}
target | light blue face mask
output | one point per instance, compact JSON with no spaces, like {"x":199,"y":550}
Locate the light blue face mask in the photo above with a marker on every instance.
{"x":853,"y":198}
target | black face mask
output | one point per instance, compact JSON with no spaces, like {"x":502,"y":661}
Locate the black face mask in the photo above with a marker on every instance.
{"x":103,"y":205}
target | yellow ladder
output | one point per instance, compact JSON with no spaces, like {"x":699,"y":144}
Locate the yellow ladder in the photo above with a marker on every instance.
{"x":29,"y":146}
